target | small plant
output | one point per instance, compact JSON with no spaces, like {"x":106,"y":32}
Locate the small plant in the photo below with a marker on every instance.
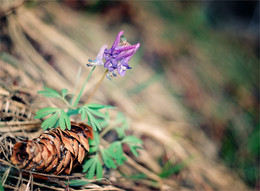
{"x":101,"y":153}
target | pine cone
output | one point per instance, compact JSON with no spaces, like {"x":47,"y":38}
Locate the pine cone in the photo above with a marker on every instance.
{"x":55,"y":151}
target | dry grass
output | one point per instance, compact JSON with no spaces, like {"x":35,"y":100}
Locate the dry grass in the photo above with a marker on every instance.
{"x":154,"y":115}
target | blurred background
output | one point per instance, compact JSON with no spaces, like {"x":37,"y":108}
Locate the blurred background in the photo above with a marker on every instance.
{"x":198,"y":63}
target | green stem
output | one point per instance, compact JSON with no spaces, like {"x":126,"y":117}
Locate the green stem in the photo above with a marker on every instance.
{"x":97,"y":86}
{"x":67,"y":103}
{"x":76,"y":85}
{"x":81,"y":91}
{"x":73,"y":112}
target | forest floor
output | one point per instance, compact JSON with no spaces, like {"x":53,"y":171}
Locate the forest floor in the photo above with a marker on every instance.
{"x":182,"y":98}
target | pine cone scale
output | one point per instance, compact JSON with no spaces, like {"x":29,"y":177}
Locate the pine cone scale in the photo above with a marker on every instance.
{"x":75,"y":147}
{"x":54,"y":151}
{"x":67,"y":143}
{"x":37,"y":159}
{"x":81,"y":154}
{"x":52,"y":165}
{"x":46,"y":156}
{"x":56,"y":142}
{"x":48,"y":145}
{"x":84,"y":142}
{"x":69,"y":168}
{"x":40,"y":165}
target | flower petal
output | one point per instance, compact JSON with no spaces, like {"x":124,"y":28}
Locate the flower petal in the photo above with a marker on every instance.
{"x":120,"y":71}
{"x":128,"y":53}
{"x":101,"y":52}
{"x":117,"y":40}
{"x":123,"y":48}
{"x":107,"y":63}
{"x":98,"y":60}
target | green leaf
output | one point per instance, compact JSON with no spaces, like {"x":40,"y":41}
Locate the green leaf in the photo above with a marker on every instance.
{"x":121,"y":130}
{"x":92,"y":111}
{"x":57,"y":123}
{"x":120,"y":161}
{"x":93,"y":166}
{"x":96,"y":137}
{"x":120,"y":118}
{"x":64,"y":92}
{"x":92,"y":149}
{"x":49,"y":93}
{"x":122,"y":124}
{"x":92,"y":142}
{"x":67,"y":120}
{"x":133,"y":150}
{"x":107,"y":160}
{"x":77,"y":182}
{"x":132,"y":140}
{"x":45,"y":111}
{"x":50,"y":122}
{"x":115,"y":150}
{"x":94,"y":123}
{"x":88,"y":164}
{"x":91,"y":170}
{"x":95,"y":117}
{"x":170,"y":169}
{"x":1,"y":187}
{"x":83,"y":115}
{"x":64,"y":120}
{"x":73,"y":112}
{"x":96,"y":113}
{"x":103,"y":122}
{"x":97,"y":106}
{"x":99,"y":169}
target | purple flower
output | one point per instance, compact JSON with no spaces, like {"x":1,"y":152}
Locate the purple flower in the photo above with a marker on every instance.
{"x":99,"y":58}
{"x":117,"y":57}
{"x":123,"y":65}
{"x":116,"y":43}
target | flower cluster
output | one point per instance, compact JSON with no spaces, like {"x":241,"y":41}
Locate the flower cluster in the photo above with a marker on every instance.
{"x":117,"y":57}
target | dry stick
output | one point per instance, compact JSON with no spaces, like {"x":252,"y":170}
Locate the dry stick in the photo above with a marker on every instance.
{"x":10,"y":123}
{"x":65,"y":176}
{"x":47,"y":175}
{"x":55,"y":37}
{"x":19,"y":180}
{"x":29,"y":182}
{"x":97,"y":86}
{"x":28,"y":52}
{"x":38,"y":184}
{"x":2,"y":146}
{"x":11,"y":187}
{"x":5,"y":176}
{"x":22,"y":127}
{"x":10,"y":9}
{"x":42,"y":32}
{"x":54,"y":188}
